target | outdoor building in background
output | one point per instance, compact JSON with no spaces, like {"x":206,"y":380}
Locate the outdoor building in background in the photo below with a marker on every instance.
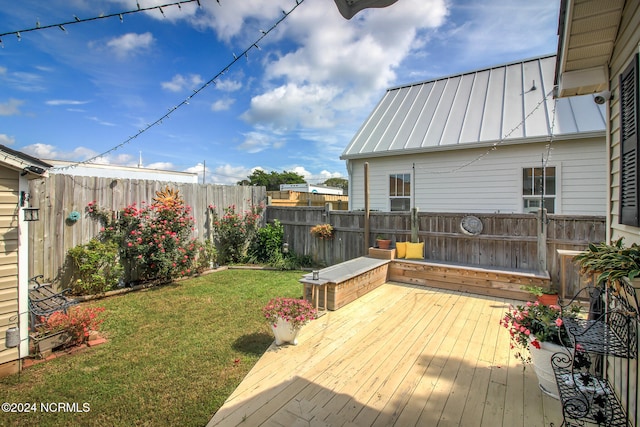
{"x":123,"y":172}
{"x":312,"y":188}
{"x":488,"y":141}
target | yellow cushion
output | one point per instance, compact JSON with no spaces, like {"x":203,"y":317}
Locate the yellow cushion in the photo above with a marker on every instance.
{"x":415,"y":250}
{"x":401,"y":249}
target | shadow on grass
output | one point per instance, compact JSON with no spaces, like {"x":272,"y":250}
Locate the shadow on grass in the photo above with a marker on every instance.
{"x":255,"y":343}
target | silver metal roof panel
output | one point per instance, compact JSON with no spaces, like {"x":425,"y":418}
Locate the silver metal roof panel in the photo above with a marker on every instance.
{"x":501,"y":103}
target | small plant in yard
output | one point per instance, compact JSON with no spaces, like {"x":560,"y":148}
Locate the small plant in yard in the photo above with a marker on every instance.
{"x":298,"y":312}
{"x":78,"y":321}
{"x":323,"y":231}
{"x":532,"y":323}
{"x":96,"y":267}
{"x":234,"y":231}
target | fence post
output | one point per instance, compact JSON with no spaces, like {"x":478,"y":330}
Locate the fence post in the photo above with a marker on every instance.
{"x":542,"y":239}
{"x":414,"y":225}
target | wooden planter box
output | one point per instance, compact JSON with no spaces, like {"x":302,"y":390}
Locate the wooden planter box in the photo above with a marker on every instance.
{"x":347,"y":281}
{"x":43,"y":346}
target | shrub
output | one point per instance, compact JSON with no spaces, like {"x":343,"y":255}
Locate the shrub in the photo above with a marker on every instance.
{"x":154,"y":241}
{"x":78,"y":321}
{"x":95,"y":267}
{"x":234,"y":231}
{"x":267,"y":244}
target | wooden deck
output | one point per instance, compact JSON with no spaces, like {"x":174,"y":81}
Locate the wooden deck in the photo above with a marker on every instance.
{"x":402,"y":355}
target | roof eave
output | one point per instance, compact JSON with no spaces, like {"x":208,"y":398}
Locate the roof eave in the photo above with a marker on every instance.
{"x":485,"y":144}
{"x":587,"y":79}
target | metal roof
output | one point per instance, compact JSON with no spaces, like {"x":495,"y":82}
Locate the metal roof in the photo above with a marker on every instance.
{"x":511,"y":103}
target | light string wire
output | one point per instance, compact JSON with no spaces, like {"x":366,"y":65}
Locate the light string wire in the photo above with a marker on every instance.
{"x":495,"y":145}
{"x":94,"y":18}
{"x":185,"y":101}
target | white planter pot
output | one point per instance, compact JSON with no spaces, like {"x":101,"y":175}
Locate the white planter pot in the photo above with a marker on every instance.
{"x":541,"y":361}
{"x":285,"y":332}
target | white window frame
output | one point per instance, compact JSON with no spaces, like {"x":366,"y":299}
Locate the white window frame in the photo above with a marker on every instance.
{"x":408,"y":197}
{"x":555,"y":197}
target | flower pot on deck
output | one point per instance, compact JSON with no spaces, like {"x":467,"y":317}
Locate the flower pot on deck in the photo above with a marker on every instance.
{"x":548,"y":299}
{"x":541,"y":361}
{"x":285,"y":332}
{"x":383,"y":243}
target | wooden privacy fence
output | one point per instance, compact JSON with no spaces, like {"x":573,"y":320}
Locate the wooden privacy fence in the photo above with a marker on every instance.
{"x":297,"y":198}
{"x":506,"y":240}
{"x":59,"y":195}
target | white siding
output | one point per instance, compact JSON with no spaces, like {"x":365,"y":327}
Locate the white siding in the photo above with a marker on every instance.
{"x":624,"y":51}
{"x":493,"y":183}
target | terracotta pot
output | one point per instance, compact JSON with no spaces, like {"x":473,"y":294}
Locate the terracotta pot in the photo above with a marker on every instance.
{"x":384,"y":243}
{"x":548,"y":299}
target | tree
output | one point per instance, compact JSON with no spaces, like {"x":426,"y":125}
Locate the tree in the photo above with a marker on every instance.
{"x":339,"y":183}
{"x":272,"y":180}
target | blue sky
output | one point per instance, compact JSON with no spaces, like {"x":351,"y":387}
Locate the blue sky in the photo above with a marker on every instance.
{"x":293,"y":103}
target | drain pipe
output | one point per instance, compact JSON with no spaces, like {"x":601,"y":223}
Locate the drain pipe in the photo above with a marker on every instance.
{"x":366,"y":208}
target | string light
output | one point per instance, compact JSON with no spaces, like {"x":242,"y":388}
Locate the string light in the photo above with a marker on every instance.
{"x":187,"y":99}
{"x":120,"y":15}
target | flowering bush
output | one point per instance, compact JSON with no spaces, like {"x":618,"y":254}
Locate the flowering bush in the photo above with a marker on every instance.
{"x":78,"y":321}
{"x":234,"y":231}
{"x":533,"y":323}
{"x":296,"y":311}
{"x":322,"y":231}
{"x":154,"y":240}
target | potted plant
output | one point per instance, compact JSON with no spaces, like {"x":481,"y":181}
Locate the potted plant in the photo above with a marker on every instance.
{"x":545,"y":296}
{"x":610,"y":263}
{"x":538,"y":328}
{"x":323,"y":231}
{"x":287,"y":316}
{"x":65,"y":329}
{"x":382,"y":242}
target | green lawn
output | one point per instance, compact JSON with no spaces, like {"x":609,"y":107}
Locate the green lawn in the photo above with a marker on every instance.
{"x":174,"y":354}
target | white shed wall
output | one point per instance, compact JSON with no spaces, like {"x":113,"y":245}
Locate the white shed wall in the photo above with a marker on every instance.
{"x":492,"y":184}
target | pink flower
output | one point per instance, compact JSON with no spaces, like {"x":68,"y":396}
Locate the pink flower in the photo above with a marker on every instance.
{"x":558,"y":322}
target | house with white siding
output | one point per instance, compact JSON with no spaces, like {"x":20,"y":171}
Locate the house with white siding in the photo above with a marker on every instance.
{"x":16,"y":169}
{"x":488,"y":141}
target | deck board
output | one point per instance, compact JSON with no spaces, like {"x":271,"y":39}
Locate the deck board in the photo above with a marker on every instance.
{"x":400,"y":355}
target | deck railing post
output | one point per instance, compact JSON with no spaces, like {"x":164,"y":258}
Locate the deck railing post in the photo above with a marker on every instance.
{"x":414,"y":225}
{"x":542,"y":239}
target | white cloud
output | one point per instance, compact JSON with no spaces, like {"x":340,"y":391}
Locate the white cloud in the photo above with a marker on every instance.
{"x":100,"y":121}
{"x":300,"y":170}
{"x":326,"y":175}
{"x":339,"y":66}
{"x":6,"y":139}
{"x":65,"y":102}
{"x":11,"y":107}
{"x":256,"y":142}
{"x":288,"y":106}
{"x":166,"y":166}
{"x":222,"y":104}
{"x":180,"y":83}
{"x":130,"y":44}
{"x":227,"y":174}
{"x":228,"y":85}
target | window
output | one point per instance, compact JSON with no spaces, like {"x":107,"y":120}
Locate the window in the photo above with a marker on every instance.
{"x":400,"y":191}
{"x":629,"y":188}
{"x":539,"y":184}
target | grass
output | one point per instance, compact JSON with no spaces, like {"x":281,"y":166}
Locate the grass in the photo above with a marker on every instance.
{"x":173,"y":355}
